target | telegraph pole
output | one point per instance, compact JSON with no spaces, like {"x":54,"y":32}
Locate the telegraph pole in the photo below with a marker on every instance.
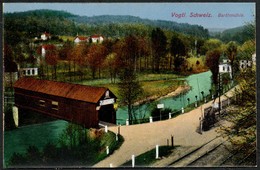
{"x":219,"y":92}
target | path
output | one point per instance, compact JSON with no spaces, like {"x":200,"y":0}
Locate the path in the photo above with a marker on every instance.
{"x":144,"y":137}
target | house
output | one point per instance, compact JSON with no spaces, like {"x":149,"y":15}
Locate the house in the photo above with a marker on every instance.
{"x":80,"y":104}
{"x":45,"y":36}
{"x":45,"y":48}
{"x":245,"y":64}
{"x":97,"y":38}
{"x":254,"y":59}
{"x":225,"y":67}
{"x":28,"y":72}
{"x":80,"y":39}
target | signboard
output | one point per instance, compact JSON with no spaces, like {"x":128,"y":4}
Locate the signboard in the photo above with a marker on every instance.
{"x":107,"y":102}
{"x":160,"y":106}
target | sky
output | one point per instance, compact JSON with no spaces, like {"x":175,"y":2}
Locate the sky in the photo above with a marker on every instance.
{"x":216,"y":15}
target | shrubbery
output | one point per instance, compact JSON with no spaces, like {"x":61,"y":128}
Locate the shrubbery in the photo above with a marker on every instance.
{"x":163,"y":114}
{"x":76,"y":146}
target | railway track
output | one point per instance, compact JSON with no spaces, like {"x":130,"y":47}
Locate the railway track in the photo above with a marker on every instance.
{"x":215,"y":153}
{"x":197,"y":153}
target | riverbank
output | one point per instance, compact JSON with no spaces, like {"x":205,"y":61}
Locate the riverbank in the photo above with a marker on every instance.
{"x":181,"y":89}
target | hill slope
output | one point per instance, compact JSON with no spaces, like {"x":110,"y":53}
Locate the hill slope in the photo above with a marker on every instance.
{"x":64,"y":23}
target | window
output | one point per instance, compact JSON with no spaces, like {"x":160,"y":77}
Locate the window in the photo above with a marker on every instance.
{"x":33,"y":72}
{"x":54,"y":105}
{"x":223,"y":68}
{"x":228,"y":68}
{"x":41,"y":103}
{"x":28,"y":72}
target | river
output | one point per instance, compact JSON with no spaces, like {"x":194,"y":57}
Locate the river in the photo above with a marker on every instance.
{"x":197,"y":82}
{"x":19,"y":139}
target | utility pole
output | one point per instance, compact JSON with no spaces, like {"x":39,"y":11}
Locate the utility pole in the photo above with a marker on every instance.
{"x":219,"y":92}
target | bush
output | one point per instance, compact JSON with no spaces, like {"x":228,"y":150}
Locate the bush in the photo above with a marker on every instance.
{"x":77,"y":146}
{"x":160,"y":114}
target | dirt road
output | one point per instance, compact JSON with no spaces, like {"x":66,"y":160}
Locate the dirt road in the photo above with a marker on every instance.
{"x":144,"y":137}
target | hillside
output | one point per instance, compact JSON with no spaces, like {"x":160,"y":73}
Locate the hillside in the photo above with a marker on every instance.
{"x":126,"y":19}
{"x":64,"y":23}
{"x":238,"y":34}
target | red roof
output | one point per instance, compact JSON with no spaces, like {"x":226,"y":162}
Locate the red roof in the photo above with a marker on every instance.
{"x":46,"y":34}
{"x":82,"y":38}
{"x":67,"y":90}
{"x":49,"y":47}
{"x":96,"y":36}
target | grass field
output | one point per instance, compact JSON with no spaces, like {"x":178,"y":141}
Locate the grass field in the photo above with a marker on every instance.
{"x":152,"y":84}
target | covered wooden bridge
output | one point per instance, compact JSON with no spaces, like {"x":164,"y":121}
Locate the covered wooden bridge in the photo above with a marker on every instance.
{"x":80,"y":104}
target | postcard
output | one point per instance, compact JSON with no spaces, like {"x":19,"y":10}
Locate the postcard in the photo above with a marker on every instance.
{"x":114,"y":85}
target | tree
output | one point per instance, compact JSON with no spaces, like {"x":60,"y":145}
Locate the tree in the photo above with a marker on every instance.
{"x":51,"y":58}
{"x":210,"y":44}
{"x":212,"y":61}
{"x":111,"y":64}
{"x":159,"y":42}
{"x":243,"y":117}
{"x":178,"y":50}
{"x":96,"y":57}
{"x":131,"y":51}
{"x":231,"y":53}
{"x":129,"y":90}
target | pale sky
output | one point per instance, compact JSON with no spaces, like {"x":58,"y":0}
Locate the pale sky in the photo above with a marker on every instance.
{"x":238,"y":13}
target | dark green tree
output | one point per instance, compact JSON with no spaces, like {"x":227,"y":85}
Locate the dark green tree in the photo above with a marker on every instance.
{"x":159,"y":43}
{"x":212,"y":61}
{"x":231,"y":52}
{"x":178,"y":50}
{"x":129,"y":90}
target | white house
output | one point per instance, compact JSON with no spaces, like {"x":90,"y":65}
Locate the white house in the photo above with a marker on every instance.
{"x":245,"y":64}
{"x":28,"y":72}
{"x":225,"y":67}
{"x":45,"y":36}
{"x":97,"y":38}
{"x":254,"y":59}
{"x":79,"y":39}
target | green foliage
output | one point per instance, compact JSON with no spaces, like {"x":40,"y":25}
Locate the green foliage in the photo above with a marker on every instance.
{"x":129,"y":90}
{"x":162,"y":114}
{"x":178,"y":50}
{"x":77,"y":146}
{"x":212,"y":61}
{"x":159,"y":43}
{"x":238,"y":34}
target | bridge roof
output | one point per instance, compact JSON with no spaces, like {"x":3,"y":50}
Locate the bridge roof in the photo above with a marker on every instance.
{"x":67,"y":90}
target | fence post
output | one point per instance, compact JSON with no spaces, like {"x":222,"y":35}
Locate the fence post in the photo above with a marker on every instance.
{"x":107,"y":149}
{"x":182,"y":110}
{"x":212,"y":96}
{"x":157,"y":152}
{"x":196,"y":104}
{"x":106,"y":128}
{"x":172,"y":141}
{"x":133,"y":160}
{"x":151,"y":119}
{"x":110,"y":165}
{"x":117,"y":137}
{"x":127,"y":122}
{"x":15,"y":116}
{"x":170,"y":115}
{"x":118,"y":130}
